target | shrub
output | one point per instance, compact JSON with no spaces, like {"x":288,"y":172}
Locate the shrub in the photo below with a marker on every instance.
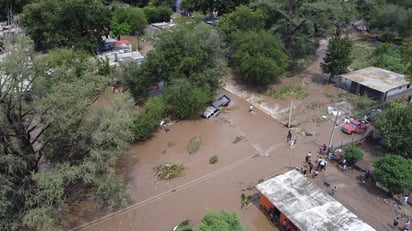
{"x":194,"y":145}
{"x":144,"y":126}
{"x":168,"y":171}
{"x":157,"y":14}
{"x":213,"y":159}
{"x":353,"y":154}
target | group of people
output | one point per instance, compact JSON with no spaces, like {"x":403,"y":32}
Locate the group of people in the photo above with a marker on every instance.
{"x":405,"y":226}
{"x":311,"y":168}
{"x":292,"y":140}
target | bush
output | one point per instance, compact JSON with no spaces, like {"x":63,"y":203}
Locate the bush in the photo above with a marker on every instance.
{"x":194,"y":145}
{"x":155,"y":107}
{"x":158,"y":14}
{"x":213,"y":159}
{"x":168,"y":171}
{"x":353,"y":154}
{"x":144,"y":126}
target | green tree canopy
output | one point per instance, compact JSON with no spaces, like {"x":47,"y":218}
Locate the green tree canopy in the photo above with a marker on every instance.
{"x":394,"y":172}
{"x":406,"y":51}
{"x":128,"y":20}
{"x":338,"y":57}
{"x":302,"y":23}
{"x":353,"y":154}
{"x":223,"y":220}
{"x":185,"y":98}
{"x":259,"y":58}
{"x":208,"y":7}
{"x":395,"y":125}
{"x":391,"y":21}
{"x":389,"y":57}
{"x":66,"y":23}
{"x":241,"y":20}
{"x":57,"y":147}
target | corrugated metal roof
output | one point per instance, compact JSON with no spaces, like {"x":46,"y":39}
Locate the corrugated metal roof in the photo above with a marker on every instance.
{"x":308,"y":207}
{"x":377,"y":78}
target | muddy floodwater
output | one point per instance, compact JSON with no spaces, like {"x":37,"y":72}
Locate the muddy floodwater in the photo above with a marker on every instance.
{"x":251,"y":147}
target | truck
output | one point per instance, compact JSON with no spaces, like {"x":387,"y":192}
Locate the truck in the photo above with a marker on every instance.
{"x":355,"y":126}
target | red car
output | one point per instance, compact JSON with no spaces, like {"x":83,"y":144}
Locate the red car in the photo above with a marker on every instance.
{"x":355,"y":126}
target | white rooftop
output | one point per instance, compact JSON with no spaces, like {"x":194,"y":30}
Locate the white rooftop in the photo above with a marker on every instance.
{"x":377,"y":78}
{"x":308,"y":207}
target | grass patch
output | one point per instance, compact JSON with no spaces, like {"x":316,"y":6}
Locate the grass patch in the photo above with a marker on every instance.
{"x":194,"y":145}
{"x":237,"y":139}
{"x":315,"y":105}
{"x":168,"y":171}
{"x":299,"y":65}
{"x":361,"y":103}
{"x":292,"y":90}
{"x":213,"y":159}
{"x":170,"y":144}
{"x":361,"y":55}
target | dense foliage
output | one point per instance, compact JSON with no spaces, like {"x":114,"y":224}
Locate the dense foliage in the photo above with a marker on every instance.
{"x":301,"y":24}
{"x":353,"y":154}
{"x":394,"y":172}
{"x":57,"y":147}
{"x":395,"y":125}
{"x":158,"y":14}
{"x":128,"y":20}
{"x":338,"y":57}
{"x":259,"y":58}
{"x":66,"y":23}
{"x":190,"y":60}
{"x":208,"y":7}
{"x":223,"y":220}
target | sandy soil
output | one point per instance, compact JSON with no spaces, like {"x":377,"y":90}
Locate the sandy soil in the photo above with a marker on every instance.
{"x":261,"y":153}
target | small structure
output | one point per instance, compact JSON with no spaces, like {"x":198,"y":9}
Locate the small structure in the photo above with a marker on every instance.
{"x":377,"y":83}
{"x":299,"y":205}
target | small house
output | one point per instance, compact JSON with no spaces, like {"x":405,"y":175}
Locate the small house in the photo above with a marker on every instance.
{"x":292,"y":200}
{"x":377,"y":83}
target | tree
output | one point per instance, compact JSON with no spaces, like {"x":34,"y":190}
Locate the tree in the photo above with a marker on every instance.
{"x":337,"y":57}
{"x":259,"y":58}
{"x":128,"y":20}
{"x":395,"y":125}
{"x":185,"y":98}
{"x":392,"y":21}
{"x":301,"y":24}
{"x":353,"y":154}
{"x":394,"y":172}
{"x":158,"y":14}
{"x":57,"y":147}
{"x":68,"y":23}
{"x":241,"y":20}
{"x":223,"y":220}
{"x":208,"y":7}
{"x":193,"y":53}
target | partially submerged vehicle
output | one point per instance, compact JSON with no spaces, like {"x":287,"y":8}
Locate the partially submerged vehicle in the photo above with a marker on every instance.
{"x":214,"y":108}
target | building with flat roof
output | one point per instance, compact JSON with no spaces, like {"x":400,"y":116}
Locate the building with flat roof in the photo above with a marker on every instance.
{"x":301,"y":205}
{"x":377,"y":83}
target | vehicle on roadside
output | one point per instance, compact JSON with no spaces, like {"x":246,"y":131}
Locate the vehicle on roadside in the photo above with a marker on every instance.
{"x":223,"y":101}
{"x":210,"y":112}
{"x":355,"y":126}
{"x":214,"y":109}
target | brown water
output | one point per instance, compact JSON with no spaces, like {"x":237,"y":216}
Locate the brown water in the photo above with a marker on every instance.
{"x":262,"y":153}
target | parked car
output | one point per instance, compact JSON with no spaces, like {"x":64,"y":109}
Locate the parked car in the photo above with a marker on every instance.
{"x":213,"y":109}
{"x":355,"y":126}
{"x":223,"y":101}
{"x":210,"y":112}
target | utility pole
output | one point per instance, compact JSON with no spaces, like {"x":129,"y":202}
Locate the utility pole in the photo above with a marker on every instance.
{"x":290,"y":113}
{"x":333,"y":128}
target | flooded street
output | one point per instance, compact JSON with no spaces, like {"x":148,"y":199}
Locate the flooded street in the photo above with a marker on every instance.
{"x":251,"y":147}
